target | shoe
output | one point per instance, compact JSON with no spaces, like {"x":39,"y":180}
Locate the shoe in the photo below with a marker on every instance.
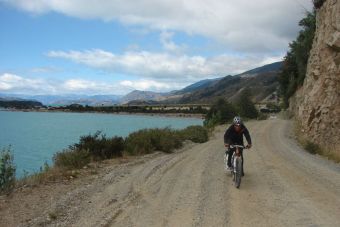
{"x":242,"y":174}
{"x":230,"y":168}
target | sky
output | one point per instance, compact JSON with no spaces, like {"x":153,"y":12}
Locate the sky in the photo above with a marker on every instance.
{"x":108,"y":47}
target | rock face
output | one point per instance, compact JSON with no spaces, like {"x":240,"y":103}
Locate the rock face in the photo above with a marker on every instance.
{"x":316,"y":104}
{"x":318,"y":3}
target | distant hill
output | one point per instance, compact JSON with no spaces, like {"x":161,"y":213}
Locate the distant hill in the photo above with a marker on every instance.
{"x":94,"y":100}
{"x":263,"y":82}
{"x":20,"y":104}
{"x":137,"y":95}
{"x":142,"y":103}
{"x":198,"y":85}
{"x":273,"y":67}
{"x":261,"y":85}
{"x":10,"y":98}
{"x":61,"y":100}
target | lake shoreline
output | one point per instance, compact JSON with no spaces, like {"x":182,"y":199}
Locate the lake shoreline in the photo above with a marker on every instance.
{"x":172,"y":115}
{"x":35,"y":136}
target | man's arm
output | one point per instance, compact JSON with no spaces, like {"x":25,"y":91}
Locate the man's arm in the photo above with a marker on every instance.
{"x":227,"y":136}
{"x":247,"y":135}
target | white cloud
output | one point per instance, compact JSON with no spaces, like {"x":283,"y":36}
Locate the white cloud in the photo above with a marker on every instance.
{"x":251,"y":30}
{"x":11,"y":83}
{"x":80,"y":86}
{"x":272,"y":59}
{"x":76,"y":85}
{"x":169,"y":45}
{"x":243,"y":25}
{"x":147,"y":85}
{"x":15,"y":83}
{"x":95,"y":58}
{"x":163,"y":66}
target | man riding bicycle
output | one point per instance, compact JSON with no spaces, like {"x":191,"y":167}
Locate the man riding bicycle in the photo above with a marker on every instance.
{"x":234,"y":136}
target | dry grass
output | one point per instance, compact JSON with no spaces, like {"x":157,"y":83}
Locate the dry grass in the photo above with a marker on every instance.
{"x":286,"y":114}
{"x":79,"y":158}
{"x":314,"y":148}
{"x":332,"y":154}
{"x":47,"y":176}
{"x":56,"y":174}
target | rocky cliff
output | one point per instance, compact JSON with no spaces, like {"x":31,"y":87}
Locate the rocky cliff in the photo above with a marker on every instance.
{"x":316,"y":104}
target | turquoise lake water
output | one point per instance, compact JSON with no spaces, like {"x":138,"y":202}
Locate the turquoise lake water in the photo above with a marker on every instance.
{"x":36,"y":136}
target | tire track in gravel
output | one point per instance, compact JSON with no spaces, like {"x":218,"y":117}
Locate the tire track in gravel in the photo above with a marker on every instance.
{"x":190,"y":193}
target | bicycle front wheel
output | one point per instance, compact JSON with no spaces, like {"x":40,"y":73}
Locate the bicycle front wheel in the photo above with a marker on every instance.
{"x":238,"y":172}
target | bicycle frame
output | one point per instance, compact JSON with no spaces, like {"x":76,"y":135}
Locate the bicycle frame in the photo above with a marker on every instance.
{"x":236,"y":161}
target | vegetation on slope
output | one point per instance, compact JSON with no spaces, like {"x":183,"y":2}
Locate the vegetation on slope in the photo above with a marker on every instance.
{"x":140,"y":108}
{"x":223,"y":111}
{"x":7,"y":170}
{"x":98,"y":147}
{"x":20,"y":104}
{"x":295,"y":61}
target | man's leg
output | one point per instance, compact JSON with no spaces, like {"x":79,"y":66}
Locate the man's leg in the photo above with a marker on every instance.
{"x":242,"y":161}
{"x":230,"y":154}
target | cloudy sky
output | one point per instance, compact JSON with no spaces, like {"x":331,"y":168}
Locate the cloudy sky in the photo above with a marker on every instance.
{"x":116,"y":46}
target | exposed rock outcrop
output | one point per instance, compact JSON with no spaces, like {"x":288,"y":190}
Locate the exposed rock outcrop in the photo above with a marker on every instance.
{"x":318,"y":3}
{"x":316,"y":105}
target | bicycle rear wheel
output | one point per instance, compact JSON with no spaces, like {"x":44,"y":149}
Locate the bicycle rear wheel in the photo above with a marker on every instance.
{"x":238,"y":172}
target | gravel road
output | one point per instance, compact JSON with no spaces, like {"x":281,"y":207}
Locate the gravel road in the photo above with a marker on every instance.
{"x":283,"y":186}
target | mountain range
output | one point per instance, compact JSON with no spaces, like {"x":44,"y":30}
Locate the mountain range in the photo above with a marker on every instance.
{"x":262,"y":81}
{"x":60,"y":100}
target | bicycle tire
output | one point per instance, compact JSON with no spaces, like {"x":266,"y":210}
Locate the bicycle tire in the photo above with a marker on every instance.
{"x":232,"y":171}
{"x":238,"y":173}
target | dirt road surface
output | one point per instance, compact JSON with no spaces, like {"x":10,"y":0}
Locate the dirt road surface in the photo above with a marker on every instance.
{"x":283,"y":186}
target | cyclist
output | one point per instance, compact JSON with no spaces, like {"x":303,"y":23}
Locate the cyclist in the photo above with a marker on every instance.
{"x":234,"y":136}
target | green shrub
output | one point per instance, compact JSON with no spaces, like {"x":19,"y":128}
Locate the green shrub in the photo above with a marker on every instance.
{"x":114,"y":147}
{"x":223,"y":112}
{"x":7,"y":171}
{"x":88,"y":142}
{"x":99,"y":146}
{"x":145,"y":141}
{"x":149,"y":140}
{"x":71,"y":158}
{"x":138,"y":143}
{"x":220,"y":113}
{"x":295,"y":62}
{"x":274,"y":108}
{"x":197,"y":134}
{"x":168,"y":140}
{"x":312,"y":148}
{"x":262,"y":116}
{"x":245,"y":106}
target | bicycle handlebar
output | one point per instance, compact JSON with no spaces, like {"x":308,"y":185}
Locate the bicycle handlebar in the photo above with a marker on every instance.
{"x":239,"y":146}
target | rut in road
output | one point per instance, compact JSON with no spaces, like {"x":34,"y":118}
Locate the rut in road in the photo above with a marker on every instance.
{"x":188,"y":190}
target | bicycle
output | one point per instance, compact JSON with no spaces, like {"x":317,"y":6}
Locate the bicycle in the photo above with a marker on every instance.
{"x":236,"y":162}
